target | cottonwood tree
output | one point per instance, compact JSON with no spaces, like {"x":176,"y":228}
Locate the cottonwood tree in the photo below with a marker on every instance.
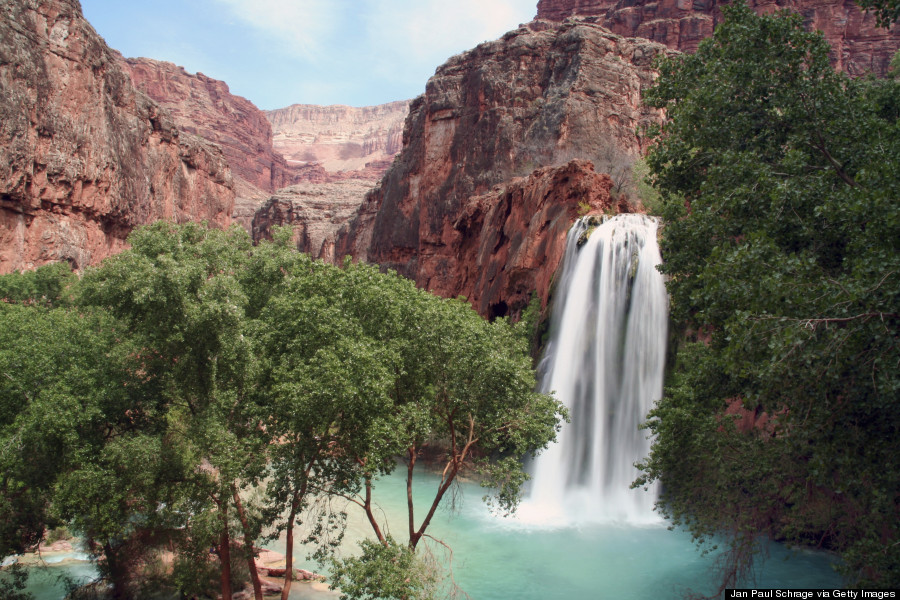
{"x":220,"y":388}
{"x":178,"y":296}
{"x":324,"y":384}
{"x":780,"y":180}
{"x":461,"y":388}
{"x":68,"y":406}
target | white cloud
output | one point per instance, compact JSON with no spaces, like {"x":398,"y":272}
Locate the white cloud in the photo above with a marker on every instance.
{"x":302,"y":27}
{"x":412,"y":35}
{"x":368,"y":47}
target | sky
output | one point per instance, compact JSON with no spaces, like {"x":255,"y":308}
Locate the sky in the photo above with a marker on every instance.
{"x":281,"y":52}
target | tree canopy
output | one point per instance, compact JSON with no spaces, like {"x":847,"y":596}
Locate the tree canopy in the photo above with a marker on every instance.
{"x":780,"y":180}
{"x":197,"y":390}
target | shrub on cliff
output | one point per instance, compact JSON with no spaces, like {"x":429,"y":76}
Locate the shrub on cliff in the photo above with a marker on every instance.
{"x":780,"y":181}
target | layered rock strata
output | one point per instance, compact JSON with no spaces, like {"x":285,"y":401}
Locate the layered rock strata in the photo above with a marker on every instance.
{"x":507,"y":241}
{"x":84,"y":156}
{"x":315,"y":212}
{"x":204,"y":106}
{"x":541,"y":96}
{"x":348,"y":142}
{"x":858,"y":45}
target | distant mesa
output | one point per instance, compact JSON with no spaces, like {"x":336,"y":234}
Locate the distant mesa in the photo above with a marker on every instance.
{"x":340,"y":138}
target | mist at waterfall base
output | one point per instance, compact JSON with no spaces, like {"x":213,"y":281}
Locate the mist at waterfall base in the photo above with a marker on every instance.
{"x":581,"y":533}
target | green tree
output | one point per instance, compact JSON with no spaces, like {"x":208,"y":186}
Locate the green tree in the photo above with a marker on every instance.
{"x":780,"y":180}
{"x":65,"y":394}
{"x":208,"y":389}
{"x":178,"y":296}
{"x":461,"y":390}
{"x":46,"y":285}
{"x":385,"y":570}
{"x":323,"y":384}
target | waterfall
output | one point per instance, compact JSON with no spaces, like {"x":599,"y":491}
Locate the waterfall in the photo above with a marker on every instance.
{"x":605,"y":362}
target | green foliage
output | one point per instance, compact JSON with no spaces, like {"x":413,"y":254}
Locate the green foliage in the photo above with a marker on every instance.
{"x":779,"y":179}
{"x":195,"y":389}
{"x":59,"y":387}
{"x":886,"y":11}
{"x":584,"y":208}
{"x":44,"y":286}
{"x":13,"y":581}
{"x":533,"y":326}
{"x":384,"y":571}
{"x":646,"y":193}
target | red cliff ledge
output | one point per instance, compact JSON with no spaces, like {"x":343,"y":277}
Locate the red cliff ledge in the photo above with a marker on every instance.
{"x":204,"y":106}
{"x":84,"y":156}
{"x":858,"y":45}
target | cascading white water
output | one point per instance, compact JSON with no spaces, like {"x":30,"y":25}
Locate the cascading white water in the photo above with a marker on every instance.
{"x":605,"y":362}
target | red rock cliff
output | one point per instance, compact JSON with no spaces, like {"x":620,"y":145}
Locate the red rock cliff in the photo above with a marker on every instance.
{"x":204,"y":106}
{"x":858,"y":45}
{"x":84,"y":157}
{"x":542,"y":95}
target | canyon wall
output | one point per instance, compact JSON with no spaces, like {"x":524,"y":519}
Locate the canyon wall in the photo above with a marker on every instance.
{"x":480,"y":197}
{"x":858,"y":45}
{"x":358,"y":141}
{"x":84,"y":156}
{"x":204,"y":106}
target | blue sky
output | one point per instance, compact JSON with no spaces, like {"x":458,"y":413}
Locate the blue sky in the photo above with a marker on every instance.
{"x":282,"y":52}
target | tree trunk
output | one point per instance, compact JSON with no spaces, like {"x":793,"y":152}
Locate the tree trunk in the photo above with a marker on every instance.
{"x":371,"y":515}
{"x":248,"y":544}
{"x":410,"y":509}
{"x":225,"y":553}
{"x":117,"y":575}
{"x":289,"y":551}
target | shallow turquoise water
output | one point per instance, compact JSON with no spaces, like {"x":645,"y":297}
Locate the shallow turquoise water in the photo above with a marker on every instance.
{"x":47,"y":582}
{"x":499,"y":559}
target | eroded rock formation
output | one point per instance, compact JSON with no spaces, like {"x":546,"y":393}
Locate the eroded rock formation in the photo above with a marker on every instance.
{"x":204,"y":106}
{"x":84,"y":156}
{"x":541,"y":96}
{"x":349,"y":143}
{"x":858,"y":45}
{"x":314,"y":211}
{"x":507,"y":241}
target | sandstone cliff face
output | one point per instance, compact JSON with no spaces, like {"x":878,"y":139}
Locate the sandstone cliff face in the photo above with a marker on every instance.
{"x":542,"y":95}
{"x":205,"y":107}
{"x":315,"y":212}
{"x":509,"y":241}
{"x":858,"y":45}
{"x":84,"y":157}
{"x":360,"y":142}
